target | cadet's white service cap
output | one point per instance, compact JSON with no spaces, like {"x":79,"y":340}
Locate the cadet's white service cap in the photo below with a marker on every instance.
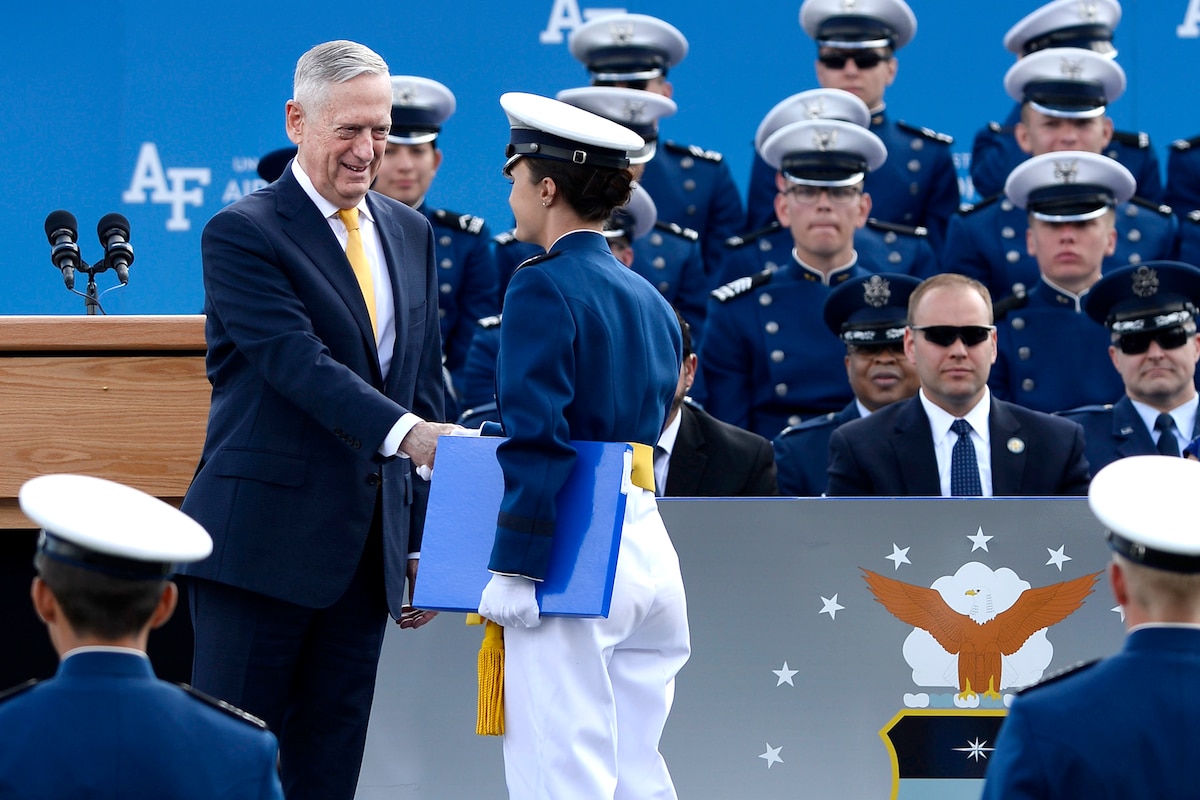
{"x":1066,"y":82}
{"x":628,"y":47}
{"x":1087,"y":24}
{"x":813,"y":104}
{"x":1148,"y":506}
{"x":109,"y":527}
{"x":858,"y":25}
{"x":545,"y":128}
{"x":419,"y":107}
{"x":1069,"y":185}
{"x":635,"y":109}
{"x":824,"y":152}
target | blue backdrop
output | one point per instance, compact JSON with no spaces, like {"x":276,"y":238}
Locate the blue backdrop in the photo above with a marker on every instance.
{"x":160,"y":111}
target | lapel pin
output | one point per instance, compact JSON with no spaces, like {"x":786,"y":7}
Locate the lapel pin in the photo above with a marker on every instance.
{"x":1016,"y":445}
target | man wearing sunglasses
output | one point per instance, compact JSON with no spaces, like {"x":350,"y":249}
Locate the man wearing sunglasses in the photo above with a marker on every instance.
{"x":1149,"y":310}
{"x":869,"y":315}
{"x":954,"y":439}
{"x":1070,"y":198}
{"x":1064,"y":95}
{"x":856,"y":52}
{"x":767,"y":361}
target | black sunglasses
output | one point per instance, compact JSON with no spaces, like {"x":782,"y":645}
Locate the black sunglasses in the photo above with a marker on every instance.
{"x":1132,"y":344}
{"x":946,"y":335}
{"x":866,"y":60}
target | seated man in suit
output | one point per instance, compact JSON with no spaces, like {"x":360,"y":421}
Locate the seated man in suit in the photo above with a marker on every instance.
{"x":997,"y":448}
{"x":869,"y":316}
{"x":104,"y":725}
{"x":700,"y":456}
{"x":1149,"y":310}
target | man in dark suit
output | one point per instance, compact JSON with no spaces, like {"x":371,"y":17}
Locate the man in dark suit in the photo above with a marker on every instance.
{"x":954,"y":438}
{"x":323,"y":352}
{"x":698,"y":455}
{"x":1149,"y":310}
{"x":104,"y":725}
{"x":1060,"y":738}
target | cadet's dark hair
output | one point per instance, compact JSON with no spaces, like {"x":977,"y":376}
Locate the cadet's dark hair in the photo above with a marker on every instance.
{"x":100,"y":605}
{"x":592,"y":191}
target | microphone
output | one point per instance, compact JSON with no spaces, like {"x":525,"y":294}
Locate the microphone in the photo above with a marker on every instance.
{"x":62,"y":231}
{"x":113,"y":231}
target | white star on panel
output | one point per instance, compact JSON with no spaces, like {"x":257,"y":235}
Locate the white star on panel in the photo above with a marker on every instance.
{"x":1057,"y":557}
{"x":785,"y":675}
{"x":831,"y":606}
{"x":772,"y":755}
{"x":900,"y":556}
{"x":979,"y":541}
{"x":975,"y":750}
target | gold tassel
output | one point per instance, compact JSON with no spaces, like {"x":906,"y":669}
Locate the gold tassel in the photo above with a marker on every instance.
{"x":489,"y":719}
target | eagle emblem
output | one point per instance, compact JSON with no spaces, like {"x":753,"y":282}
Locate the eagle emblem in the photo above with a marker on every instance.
{"x":404,"y":95}
{"x":876,"y":291}
{"x":984,"y":636}
{"x":621,"y":34}
{"x":1066,"y":171}
{"x":1145,"y":282}
{"x":824,"y":140}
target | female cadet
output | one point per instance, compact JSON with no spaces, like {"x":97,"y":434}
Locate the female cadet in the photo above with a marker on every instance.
{"x":589,"y":351}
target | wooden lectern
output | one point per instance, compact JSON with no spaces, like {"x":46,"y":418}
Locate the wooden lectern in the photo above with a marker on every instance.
{"x":120,"y":397}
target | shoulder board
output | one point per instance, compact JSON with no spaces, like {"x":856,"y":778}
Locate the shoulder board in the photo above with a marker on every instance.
{"x":694,"y":151}
{"x":1093,"y":409}
{"x":539,"y":258}
{"x":463,"y":222}
{"x":508,"y":237}
{"x":489,"y":322}
{"x":1017,"y":300}
{"x":996,"y":127}
{"x":1185,"y":144}
{"x":896,"y":227}
{"x":677,"y":229}
{"x":1055,"y":677}
{"x":810,"y":423}
{"x":1138,"y":139}
{"x":741,"y":286}
{"x":1160,"y":208}
{"x":747,"y":238}
{"x":20,"y":688}
{"x":928,"y":133}
{"x":228,"y":708}
{"x":969,"y":208}
{"x":1193,"y":216}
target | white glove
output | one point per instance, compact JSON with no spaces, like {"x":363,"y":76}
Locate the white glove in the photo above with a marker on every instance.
{"x":510,"y":601}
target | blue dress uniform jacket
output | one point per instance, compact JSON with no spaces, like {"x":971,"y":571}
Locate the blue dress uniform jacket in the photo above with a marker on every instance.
{"x":1183,"y":175}
{"x":890,"y":454}
{"x":1121,"y":727}
{"x":669,"y":257}
{"x":802,"y":453}
{"x":694,"y":189}
{"x":1051,"y":355}
{"x":479,"y":373}
{"x":881,"y":247}
{"x":768,"y":359}
{"x":106,"y":727}
{"x":290,"y":473}
{"x":1114,"y":431}
{"x":1189,"y":238}
{"x":714,"y":459}
{"x":917,"y":185}
{"x":508,"y":253}
{"x":589,"y":351}
{"x":987,"y":242}
{"x":468,"y":284}
{"x":995,"y":152}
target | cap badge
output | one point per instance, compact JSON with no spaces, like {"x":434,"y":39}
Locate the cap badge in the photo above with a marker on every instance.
{"x":621,"y":34}
{"x":1072,"y":68}
{"x":404,"y":95}
{"x":849,"y":5}
{"x":825,"y":140}
{"x":1145,"y":282}
{"x":1016,"y":445}
{"x":635,"y":110}
{"x":1066,"y":171}
{"x":1088,"y":11}
{"x":876,"y":292}
{"x":816,"y":109}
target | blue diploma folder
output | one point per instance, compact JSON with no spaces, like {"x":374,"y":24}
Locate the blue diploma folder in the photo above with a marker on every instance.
{"x":464,"y":500}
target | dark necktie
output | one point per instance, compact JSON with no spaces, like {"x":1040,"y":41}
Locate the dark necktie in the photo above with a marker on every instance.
{"x":1168,"y":445}
{"x":964,"y":466}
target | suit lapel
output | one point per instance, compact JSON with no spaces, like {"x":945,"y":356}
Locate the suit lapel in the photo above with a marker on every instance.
{"x":1008,"y":451}
{"x":912,"y":446}
{"x":688,"y":458}
{"x":1133,"y":439}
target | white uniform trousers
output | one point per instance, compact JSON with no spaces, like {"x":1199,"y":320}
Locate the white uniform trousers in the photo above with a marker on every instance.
{"x":585,"y":700}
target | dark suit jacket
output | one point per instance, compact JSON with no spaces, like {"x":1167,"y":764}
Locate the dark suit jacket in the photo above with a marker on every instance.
{"x":890,"y":453}
{"x":712,"y":458}
{"x":104,"y":726}
{"x":1114,"y":431}
{"x":290,"y":475}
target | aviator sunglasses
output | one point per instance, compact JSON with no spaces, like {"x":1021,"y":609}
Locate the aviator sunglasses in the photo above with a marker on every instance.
{"x":866,"y":60}
{"x":946,"y":335}
{"x":1132,"y":344}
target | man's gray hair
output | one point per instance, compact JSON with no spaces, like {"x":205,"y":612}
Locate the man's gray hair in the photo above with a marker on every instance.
{"x":331,"y":63}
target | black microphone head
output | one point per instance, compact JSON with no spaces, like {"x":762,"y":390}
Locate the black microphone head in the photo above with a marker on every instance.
{"x":112,"y":221}
{"x":61,"y":220}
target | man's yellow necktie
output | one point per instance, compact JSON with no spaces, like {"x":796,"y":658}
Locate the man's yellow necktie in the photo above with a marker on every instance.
{"x":358,"y":261}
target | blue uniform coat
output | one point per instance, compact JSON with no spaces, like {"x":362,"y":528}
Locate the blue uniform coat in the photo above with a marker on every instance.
{"x":802,"y":453}
{"x":1114,"y":431}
